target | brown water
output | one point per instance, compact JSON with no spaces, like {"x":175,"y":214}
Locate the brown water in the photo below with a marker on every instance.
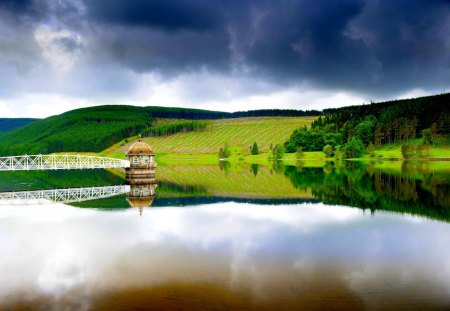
{"x":221,"y":256}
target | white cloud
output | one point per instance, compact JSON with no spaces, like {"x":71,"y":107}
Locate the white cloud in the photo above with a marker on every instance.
{"x":204,"y":90}
{"x":61,"y":47}
{"x":40,"y":105}
{"x":217,"y":92}
{"x":5,"y":111}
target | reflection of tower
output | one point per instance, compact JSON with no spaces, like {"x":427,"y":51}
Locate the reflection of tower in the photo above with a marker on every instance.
{"x":141,"y":195}
{"x":142,"y":164}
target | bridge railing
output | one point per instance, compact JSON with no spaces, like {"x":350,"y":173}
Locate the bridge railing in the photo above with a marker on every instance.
{"x":69,"y":195}
{"x":59,"y":162}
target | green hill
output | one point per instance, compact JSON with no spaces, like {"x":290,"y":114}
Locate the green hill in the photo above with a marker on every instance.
{"x":94,"y":129}
{"x":10,"y":124}
{"x":90,"y":129}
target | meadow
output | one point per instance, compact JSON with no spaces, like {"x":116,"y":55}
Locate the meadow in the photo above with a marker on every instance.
{"x":239,"y":133}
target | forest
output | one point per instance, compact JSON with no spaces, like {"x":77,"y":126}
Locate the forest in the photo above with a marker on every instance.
{"x":355,"y":130}
{"x":169,"y":129}
{"x":10,"y":124}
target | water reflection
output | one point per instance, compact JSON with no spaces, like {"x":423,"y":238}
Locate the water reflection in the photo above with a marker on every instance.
{"x":228,"y":255}
{"x":417,"y":189}
{"x":139,"y":195}
{"x":413,"y":188}
{"x":67,"y":195}
{"x":229,"y":247}
{"x":425,"y":193}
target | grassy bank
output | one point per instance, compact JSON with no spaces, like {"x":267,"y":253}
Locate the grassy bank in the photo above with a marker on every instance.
{"x":393,"y":151}
{"x":384,"y":158}
{"x":312,"y":159}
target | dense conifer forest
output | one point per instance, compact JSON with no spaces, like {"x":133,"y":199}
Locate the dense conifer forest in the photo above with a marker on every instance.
{"x":10,"y":124}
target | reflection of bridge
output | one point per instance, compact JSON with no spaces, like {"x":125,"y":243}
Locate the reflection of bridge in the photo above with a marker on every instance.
{"x":59,"y":162}
{"x":61,"y":195}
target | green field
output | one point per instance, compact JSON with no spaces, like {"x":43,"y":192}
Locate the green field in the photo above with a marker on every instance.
{"x":393,"y":151}
{"x":310,"y":159}
{"x":238,"y":133}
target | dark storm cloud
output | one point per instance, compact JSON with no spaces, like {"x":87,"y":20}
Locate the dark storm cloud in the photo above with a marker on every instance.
{"x":16,"y":5}
{"x":368,"y":46}
{"x":372,"y":47}
{"x":168,"y":15}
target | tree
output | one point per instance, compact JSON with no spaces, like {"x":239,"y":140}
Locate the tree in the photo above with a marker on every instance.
{"x":435,"y":136}
{"x":427,"y":137}
{"x":255,"y":149}
{"x":433,"y":130}
{"x":364,"y":130}
{"x":278,"y":152}
{"x":328,"y":150}
{"x":224,"y":152}
{"x":423,"y":150}
{"x":299,"y":153}
{"x":354,"y":148}
{"x":254,"y":168}
{"x":371,"y":149}
{"x":378,"y":136}
{"x":339,"y":154}
{"x":408,"y":151}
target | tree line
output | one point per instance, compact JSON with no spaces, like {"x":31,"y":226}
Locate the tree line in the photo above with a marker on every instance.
{"x":351,"y":131}
{"x":169,"y":129}
{"x":199,"y":114}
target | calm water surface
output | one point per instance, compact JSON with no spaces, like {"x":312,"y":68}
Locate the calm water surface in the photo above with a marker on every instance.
{"x":232,"y":238}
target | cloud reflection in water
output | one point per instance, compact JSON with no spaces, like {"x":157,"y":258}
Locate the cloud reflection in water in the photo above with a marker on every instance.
{"x":59,"y":250}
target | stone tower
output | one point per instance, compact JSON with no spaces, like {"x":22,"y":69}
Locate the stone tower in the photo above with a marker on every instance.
{"x":142,"y":164}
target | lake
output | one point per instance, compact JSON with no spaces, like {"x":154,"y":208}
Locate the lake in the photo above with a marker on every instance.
{"x":228,"y":237}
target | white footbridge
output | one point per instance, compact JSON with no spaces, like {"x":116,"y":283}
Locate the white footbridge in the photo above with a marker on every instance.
{"x":59,"y":162}
{"x":69,"y":195}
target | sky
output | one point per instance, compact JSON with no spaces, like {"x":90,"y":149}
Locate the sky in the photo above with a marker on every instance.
{"x":228,"y":55}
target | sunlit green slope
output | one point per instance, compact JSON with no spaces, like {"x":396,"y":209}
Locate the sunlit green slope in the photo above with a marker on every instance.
{"x":238,"y":133}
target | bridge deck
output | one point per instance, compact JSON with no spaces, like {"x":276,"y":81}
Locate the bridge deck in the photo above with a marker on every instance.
{"x":59,"y":162}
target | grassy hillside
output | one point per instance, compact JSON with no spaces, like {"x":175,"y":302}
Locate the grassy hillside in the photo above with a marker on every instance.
{"x":89,"y":129}
{"x":10,"y":124}
{"x":239,"y":133}
{"x":94,"y":129}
